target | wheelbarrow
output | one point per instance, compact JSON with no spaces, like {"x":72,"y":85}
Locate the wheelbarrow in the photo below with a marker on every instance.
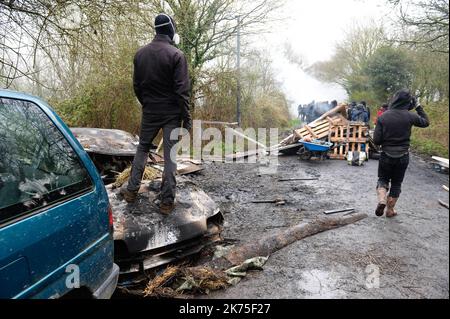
{"x":315,"y":148}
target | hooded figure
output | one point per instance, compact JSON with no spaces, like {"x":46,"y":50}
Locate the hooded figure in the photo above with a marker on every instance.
{"x":359,"y":114}
{"x":393,"y":134}
{"x":350,"y":110}
{"x":162,"y":86}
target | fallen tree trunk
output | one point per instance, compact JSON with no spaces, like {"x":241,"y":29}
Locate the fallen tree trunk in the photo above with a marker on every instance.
{"x":272,"y":243}
{"x":211,"y":275}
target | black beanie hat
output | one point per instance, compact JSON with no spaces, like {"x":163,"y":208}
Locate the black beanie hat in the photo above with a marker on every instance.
{"x":166,"y":28}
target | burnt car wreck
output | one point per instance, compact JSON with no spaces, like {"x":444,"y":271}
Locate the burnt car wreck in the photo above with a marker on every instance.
{"x":144,"y":239}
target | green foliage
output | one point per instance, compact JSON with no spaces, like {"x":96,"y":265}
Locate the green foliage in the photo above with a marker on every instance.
{"x":431,"y":74}
{"x":371,"y":68}
{"x":434,"y":140}
{"x":264,"y":105}
{"x":345,"y":68}
{"x":104,"y":97}
{"x":294,"y":123}
{"x":388,"y":70}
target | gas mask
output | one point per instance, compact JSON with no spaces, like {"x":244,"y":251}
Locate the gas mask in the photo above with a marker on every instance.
{"x":176,"y":37}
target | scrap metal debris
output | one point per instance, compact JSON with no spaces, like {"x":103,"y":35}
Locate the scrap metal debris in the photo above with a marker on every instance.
{"x":339,"y":211}
{"x":106,"y":142}
{"x":145,"y":239}
{"x":444,"y":204}
{"x":277,"y":201}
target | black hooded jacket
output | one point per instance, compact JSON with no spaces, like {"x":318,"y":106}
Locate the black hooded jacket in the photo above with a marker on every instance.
{"x":394,"y":127}
{"x":161,"y":78}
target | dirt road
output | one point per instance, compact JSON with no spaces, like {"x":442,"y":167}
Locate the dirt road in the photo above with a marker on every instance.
{"x":411,"y":252}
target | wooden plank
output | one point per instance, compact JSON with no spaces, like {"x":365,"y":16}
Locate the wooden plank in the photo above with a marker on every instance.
{"x":311,"y":132}
{"x":323,"y":135}
{"x":337,"y":109}
{"x":219,"y":123}
{"x":322,"y":130}
{"x":248,"y":138}
{"x":443,"y":161}
{"x":319,"y":125}
{"x":237,"y":156}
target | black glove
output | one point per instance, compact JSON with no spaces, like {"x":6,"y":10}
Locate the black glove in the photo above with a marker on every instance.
{"x":187,"y":123}
{"x":413,"y":104}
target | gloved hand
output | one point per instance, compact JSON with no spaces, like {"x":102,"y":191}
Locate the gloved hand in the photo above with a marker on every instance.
{"x":413,"y":103}
{"x":186,"y":117}
{"x":187,"y":122}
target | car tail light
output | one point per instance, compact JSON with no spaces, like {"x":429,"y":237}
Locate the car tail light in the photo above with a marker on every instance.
{"x":111,"y":218}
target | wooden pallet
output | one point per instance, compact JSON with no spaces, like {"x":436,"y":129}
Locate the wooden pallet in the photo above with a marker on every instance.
{"x":319,"y":130}
{"x":353,"y":137}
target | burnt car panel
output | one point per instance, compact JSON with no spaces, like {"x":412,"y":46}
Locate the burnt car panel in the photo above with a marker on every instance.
{"x":145,"y":239}
{"x":107,"y":142}
{"x":149,"y":238}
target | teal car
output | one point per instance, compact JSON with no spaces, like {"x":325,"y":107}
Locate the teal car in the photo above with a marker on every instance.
{"x":56,"y":224}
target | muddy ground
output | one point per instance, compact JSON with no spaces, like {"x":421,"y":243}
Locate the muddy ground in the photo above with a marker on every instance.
{"x":410,"y":251}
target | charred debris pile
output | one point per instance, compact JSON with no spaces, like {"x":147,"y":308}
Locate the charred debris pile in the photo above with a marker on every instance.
{"x":184,"y":254}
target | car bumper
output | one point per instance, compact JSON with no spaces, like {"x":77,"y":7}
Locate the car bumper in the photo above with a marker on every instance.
{"x":106,"y":290}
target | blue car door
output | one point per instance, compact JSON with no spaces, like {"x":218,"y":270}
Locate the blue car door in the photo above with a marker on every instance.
{"x":50,"y":211}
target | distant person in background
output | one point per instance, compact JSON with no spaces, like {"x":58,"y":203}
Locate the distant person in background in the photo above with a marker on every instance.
{"x":367,"y":109}
{"x":360,"y":114}
{"x":350,"y":110}
{"x":381,"y":111}
{"x":333,"y":105}
{"x":393,"y":134}
{"x":310,"y":112}
{"x":301,"y":113}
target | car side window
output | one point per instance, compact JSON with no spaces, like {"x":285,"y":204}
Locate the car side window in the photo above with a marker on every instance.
{"x":38,"y":167}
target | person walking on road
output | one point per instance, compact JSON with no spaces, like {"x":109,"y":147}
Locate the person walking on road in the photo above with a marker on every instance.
{"x":393,"y":134}
{"x":162,"y":86}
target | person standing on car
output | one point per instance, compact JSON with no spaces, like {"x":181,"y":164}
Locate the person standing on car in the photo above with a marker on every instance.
{"x":393,"y":134}
{"x":162,"y":86}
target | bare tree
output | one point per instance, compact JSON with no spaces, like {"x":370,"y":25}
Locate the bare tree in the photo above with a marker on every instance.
{"x":209,"y":27}
{"x":32,"y":29}
{"x":424,"y":23}
{"x":345,"y":67}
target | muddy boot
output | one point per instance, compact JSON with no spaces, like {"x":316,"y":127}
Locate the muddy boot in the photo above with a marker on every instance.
{"x":130,"y":197}
{"x":390,"y":212}
{"x":167,"y":209}
{"x":382,"y":201}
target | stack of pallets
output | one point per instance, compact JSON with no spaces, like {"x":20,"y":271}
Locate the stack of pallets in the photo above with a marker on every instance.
{"x":353,"y":137}
{"x":319,"y":130}
{"x":335,"y":128}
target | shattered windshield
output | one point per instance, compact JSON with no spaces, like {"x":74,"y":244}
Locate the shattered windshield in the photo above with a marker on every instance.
{"x":37,"y":165}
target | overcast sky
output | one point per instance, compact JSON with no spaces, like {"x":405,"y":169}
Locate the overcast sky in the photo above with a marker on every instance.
{"x":312,"y":28}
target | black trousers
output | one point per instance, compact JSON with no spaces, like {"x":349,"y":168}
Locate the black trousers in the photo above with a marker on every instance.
{"x":391,"y":173}
{"x":151,"y":125}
